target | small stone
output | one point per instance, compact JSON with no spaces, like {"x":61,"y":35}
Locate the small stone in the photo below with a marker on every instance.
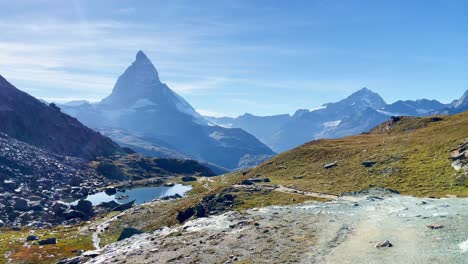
{"x":383,"y":244}
{"x":434,"y":226}
{"x":31,"y":238}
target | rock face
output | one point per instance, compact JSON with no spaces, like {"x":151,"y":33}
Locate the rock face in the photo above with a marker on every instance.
{"x":140,"y":104}
{"x":30,"y":120}
{"x":459,"y":157}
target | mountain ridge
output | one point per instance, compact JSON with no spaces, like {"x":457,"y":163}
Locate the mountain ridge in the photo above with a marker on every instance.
{"x":352,"y":115}
{"x":45,"y":126}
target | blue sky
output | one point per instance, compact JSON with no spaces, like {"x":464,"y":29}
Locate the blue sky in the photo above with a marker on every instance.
{"x":230,"y":57}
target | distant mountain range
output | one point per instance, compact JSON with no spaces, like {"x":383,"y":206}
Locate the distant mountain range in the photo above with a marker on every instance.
{"x":145,"y":114}
{"x":355,"y":114}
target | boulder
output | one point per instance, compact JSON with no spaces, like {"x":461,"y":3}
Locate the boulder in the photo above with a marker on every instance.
{"x":58,"y":208}
{"x":383,"y":244}
{"x":21,"y":204}
{"x":72,"y":214}
{"x":85,"y":207}
{"x":183,"y":215}
{"x":31,"y":238}
{"x":48,"y":241}
{"x":368,"y":163}
{"x":110,"y":191}
{"x":188,"y":179}
{"x":36,"y":206}
{"x":128,"y":232}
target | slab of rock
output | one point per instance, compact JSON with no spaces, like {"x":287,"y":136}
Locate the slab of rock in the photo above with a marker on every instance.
{"x":48,"y":241}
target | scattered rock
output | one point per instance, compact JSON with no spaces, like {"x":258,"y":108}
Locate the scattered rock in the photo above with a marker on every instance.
{"x":91,"y":253}
{"x":48,"y":241}
{"x":110,"y":190}
{"x":383,"y":244}
{"x":188,"y":179}
{"x":368,"y":163}
{"x":434,"y":226}
{"x":31,"y":238}
{"x":75,"y":260}
{"x":21,"y":204}
{"x":85,"y":207}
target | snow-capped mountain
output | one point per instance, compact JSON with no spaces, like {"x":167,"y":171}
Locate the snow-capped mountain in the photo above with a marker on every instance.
{"x":144,"y":113}
{"x":355,"y":114}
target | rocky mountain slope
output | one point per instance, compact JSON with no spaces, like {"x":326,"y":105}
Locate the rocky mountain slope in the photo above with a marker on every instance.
{"x":33,"y":180}
{"x":27,"y":119}
{"x":357,"y":113}
{"x":154,"y":115}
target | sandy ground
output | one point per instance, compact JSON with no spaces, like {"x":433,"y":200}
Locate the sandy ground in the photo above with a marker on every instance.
{"x":341,"y":231}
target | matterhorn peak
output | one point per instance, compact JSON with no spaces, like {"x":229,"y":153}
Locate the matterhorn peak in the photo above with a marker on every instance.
{"x":140,"y":56}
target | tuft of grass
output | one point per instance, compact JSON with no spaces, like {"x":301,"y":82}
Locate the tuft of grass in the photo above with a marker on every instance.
{"x":13,"y":244}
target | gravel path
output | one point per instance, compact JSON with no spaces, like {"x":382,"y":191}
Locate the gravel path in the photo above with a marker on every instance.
{"x":341,"y":231}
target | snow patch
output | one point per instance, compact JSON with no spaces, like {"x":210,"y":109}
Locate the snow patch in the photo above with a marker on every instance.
{"x":318,"y":108}
{"x":217,"y":135}
{"x":388,"y":113}
{"x":142,"y":103}
{"x":332,"y":124}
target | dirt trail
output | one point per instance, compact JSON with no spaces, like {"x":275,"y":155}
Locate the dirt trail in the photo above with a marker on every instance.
{"x":285,"y":189}
{"x":344,"y":230}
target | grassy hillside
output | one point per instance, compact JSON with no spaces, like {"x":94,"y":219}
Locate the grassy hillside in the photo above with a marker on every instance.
{"x":412,"y":156}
